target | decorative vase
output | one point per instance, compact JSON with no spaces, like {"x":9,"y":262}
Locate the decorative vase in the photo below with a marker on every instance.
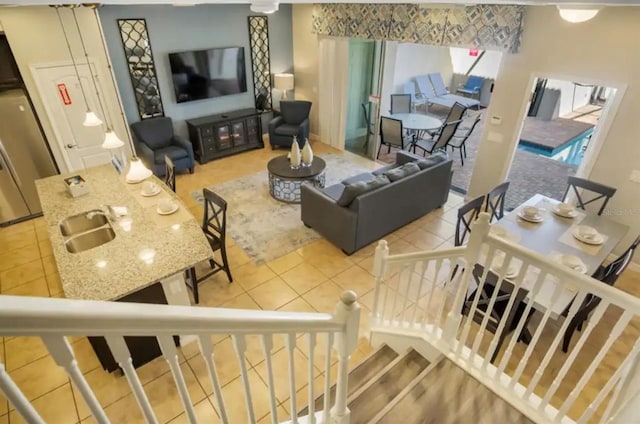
{"x":295,"y":156}
{"x":307,"y":153}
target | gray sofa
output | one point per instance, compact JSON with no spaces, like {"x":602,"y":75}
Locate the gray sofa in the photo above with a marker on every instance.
{"x":382,"y":210}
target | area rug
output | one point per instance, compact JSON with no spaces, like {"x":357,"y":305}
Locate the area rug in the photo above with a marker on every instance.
{"x":264,"y":227}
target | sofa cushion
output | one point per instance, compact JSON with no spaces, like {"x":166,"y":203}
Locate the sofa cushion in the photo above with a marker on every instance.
{"x":174,"y":153}
{"x":334,"y":191}
{"x":381,"y":171}
{"x":365,"y":176}
{"x":431,"y":160}
{"x":287,"y":129}
{"x":402,"y":171}
{"x":352,"y":191}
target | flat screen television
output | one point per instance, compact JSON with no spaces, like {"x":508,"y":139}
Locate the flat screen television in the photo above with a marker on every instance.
{"x":203,"y":74}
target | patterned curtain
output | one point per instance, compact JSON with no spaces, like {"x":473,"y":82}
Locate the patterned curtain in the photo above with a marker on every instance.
{"x":486,"y":27}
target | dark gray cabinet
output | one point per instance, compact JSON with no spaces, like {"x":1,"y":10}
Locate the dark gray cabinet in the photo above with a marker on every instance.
{"x":216,"y":136}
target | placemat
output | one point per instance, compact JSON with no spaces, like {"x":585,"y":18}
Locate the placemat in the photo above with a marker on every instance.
{"x":590,"y":249}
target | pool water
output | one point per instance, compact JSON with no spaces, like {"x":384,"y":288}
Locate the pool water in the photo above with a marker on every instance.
{"x":570,"y":153}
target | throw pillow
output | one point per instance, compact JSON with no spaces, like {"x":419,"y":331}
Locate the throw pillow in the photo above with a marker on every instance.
{"x":352,"y":191}
{"x":402,"y":171}
{"x":430,"y":161}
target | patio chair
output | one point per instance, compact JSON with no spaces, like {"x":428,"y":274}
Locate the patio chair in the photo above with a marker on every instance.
{"x":602,"y":192}
{"x":443,"y":94}
{"x":459,"y":141}
{"x":392,"y":135}
{"x":495,"y":201}
{"x":609,"y":275}
{"x":416,"y":98}
{"x":439,"y":141}
{"x":400,"y":103}
{"x":498,"y":306}
{"x":472,"y":87}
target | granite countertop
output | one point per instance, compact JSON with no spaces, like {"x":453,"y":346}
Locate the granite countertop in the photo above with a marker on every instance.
{"x":147,"y":247}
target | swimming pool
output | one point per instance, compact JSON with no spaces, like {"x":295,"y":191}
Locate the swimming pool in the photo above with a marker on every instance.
{"x":570,"y":153}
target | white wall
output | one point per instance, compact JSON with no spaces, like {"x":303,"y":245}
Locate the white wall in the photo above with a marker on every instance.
{"x":569,"y":102}
{"x":36,"y":37}
{"x":305,"y":61}
{"x":601,"y":50}
{"x":487,"y":67}
{"x":419,"y":59}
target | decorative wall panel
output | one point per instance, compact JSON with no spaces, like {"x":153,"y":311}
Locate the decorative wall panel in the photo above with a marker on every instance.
{"x":142,"y":70}
{"x":486,"y":27}
{"x":260,"y":61}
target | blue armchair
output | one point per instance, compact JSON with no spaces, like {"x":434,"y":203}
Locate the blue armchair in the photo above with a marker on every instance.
{"x":293,"y":121}
{"x":154,"y":139}
{"x":472,"y":87}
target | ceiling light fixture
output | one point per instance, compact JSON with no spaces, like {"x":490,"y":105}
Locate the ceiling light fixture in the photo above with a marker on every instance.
{"x":264,"y":6}
{"x":90,"y":118}
{"x":577,"y":14}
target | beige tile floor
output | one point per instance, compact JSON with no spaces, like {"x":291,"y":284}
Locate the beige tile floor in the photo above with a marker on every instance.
{"x":309,"y":279}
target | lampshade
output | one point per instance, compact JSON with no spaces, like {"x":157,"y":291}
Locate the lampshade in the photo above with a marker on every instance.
{"x":112,"y":141}
{"x":91,"y":119}
{"x":283,"y":81}
{"x":577,"y":14}
{"x":137,"y":170}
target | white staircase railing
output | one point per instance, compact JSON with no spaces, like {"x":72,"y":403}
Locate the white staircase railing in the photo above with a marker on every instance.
{"x":54,"y":319}
{"x":597,"y":380}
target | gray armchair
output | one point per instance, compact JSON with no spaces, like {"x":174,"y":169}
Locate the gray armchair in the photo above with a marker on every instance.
{"x":154,"y":139}
{"x":293,"y":121}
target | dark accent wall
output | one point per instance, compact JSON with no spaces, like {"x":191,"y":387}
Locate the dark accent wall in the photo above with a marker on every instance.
{"x":173,"y":29}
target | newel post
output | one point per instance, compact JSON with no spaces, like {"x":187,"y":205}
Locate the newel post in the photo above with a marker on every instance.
{"x":479,"y":232}
{"x":379,"y":269}
{"x":348,"y":312}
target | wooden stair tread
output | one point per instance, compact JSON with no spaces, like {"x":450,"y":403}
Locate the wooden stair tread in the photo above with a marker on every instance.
{"x":374,"y":398}
{"x":360,"y":375}
{"x":448,"y":395}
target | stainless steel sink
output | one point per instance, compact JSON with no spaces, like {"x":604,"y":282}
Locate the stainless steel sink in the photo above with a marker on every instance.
{"x":90,"y":239}
{"x":80,"y":223}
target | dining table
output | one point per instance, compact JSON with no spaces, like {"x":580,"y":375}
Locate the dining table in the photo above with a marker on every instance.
{"x":417,"y":121}
{"x":554,"y":237}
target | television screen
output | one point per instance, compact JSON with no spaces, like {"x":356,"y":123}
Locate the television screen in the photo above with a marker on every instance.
{"x":202,"y":74}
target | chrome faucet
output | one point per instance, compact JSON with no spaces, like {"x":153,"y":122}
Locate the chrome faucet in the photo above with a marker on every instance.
{"x":105,"y":210}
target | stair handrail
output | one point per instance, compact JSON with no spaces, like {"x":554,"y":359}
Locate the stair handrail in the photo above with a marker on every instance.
{"x":54,"y":319}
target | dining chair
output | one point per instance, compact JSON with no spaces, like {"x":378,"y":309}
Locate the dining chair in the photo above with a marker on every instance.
{"x":609,"y":275}
{"x":214,"y":226}
{"x":459,"y":140}
{"x":495,"y":201}
{"x":467,"y":214}
{"x":439,"y":141}
{"x":170,"y":173}
{"x":497,"y":308}
{"x":602,"y":192}
{"x":456,"y":113}
{"x":400,"y":103}
{"x":392,"y":135}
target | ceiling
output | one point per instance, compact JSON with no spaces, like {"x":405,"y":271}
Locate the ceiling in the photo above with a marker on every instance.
{"x":465,"y":2}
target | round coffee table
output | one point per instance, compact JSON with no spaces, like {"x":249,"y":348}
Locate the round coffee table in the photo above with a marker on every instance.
{"x":285,"y":182}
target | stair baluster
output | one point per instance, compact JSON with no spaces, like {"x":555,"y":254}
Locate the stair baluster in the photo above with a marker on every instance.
{"x":267,"y":347}
{"x":207,"y":352}
{"x":19,"y":401}
{"x":326,"y":415}
{"x":240,"y":346}
{"x":312,"y":397}
{"x":170,"y":353}
{"x":290,"y":343}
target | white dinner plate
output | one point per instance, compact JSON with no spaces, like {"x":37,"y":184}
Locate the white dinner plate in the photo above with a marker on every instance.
{"x":535,"y":219}
{"x":570,"y":214}
{"x":150,"y":194}
{"x":168,"y":212}
{"x":581,"y":268}
{"x":596,"y":240}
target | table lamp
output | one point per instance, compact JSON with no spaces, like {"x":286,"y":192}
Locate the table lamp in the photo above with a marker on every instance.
{"x":283,"y":82}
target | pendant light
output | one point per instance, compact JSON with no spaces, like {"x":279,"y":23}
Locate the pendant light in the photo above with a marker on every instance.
{"x":137,"y":170}
{"x":90,"y":118}
{"x":111,"y":139}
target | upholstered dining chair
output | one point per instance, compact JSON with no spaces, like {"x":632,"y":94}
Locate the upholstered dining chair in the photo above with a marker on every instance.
{"x":155,"y":139}
{"x":400,"y":103}
{"x":601,"y":192}
{"x":495,"y":201}
{"x":170,"y":173}
{"x":214,"y":226}
{"x":392,"y":135}
{"x":608,"y":275}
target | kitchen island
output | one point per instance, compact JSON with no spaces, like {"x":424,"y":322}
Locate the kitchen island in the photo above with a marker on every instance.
{"x":148,"y":254}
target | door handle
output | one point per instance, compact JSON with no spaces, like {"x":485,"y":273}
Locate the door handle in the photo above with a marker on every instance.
{"x":71,"y":146}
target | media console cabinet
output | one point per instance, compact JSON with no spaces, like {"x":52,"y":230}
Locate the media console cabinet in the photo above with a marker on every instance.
{"x":225,"y":134}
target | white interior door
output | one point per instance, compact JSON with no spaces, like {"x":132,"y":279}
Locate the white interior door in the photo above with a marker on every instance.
{"x":63,"y":99}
